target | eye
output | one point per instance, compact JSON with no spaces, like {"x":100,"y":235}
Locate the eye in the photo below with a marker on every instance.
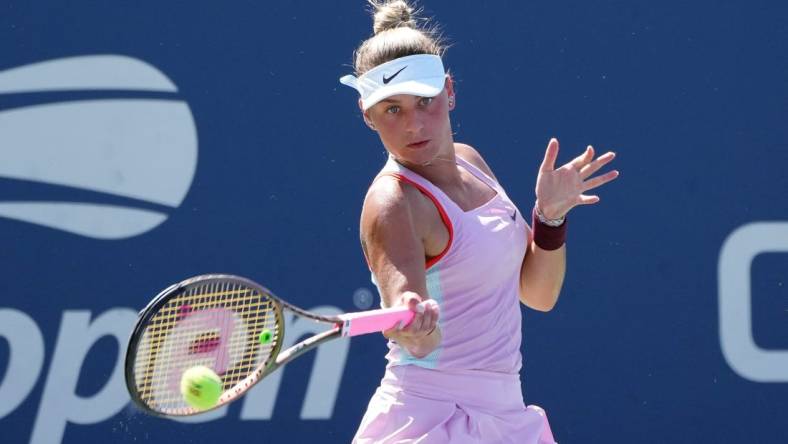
{"x":426,"y":101}
{"x":393,"y":109}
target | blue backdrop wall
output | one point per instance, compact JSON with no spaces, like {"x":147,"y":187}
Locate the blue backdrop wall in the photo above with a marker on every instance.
{"x":145,"y":142}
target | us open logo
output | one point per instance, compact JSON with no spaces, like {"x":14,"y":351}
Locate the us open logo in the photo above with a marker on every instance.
{"x":738,"y":344}
{"x":129,"y":159}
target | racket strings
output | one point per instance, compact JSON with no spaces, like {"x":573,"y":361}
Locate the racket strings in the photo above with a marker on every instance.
{"x":216,"y":324}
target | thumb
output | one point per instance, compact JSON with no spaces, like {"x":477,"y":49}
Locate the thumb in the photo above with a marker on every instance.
{"x":411,"y":300}
{"x":550,"y":155}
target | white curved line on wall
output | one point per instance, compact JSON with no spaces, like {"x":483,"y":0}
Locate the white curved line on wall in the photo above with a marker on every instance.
{"x":92,"y":72}
{"x":139,"y":148}
{"x":92,"y":220}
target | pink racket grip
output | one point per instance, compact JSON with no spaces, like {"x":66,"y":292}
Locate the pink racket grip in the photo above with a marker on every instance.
{"x":374,"y":321}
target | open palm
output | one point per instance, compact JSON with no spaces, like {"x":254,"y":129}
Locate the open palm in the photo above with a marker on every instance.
{"x":560,"y":190}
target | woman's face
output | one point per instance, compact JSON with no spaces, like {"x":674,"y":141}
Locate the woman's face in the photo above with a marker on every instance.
{"x":415,"y":130}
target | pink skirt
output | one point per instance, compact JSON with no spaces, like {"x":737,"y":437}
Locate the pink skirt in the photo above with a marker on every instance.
{"x":418,"y":405}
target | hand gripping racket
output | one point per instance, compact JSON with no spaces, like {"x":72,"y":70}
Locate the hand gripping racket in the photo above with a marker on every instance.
{"x":231,"y":325}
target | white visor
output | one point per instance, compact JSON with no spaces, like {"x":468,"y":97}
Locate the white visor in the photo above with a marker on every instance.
{"x":419,"y":75}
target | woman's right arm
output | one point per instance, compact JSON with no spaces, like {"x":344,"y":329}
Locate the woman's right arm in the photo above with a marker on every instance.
{"x":392,"y":236}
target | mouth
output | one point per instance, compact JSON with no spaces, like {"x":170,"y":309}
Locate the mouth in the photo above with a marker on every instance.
{"x":417,"y":145}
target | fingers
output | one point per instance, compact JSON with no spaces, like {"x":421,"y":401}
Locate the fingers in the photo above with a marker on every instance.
{"x":564,"y":188}
{"x":550,"y":154}
{"x":599,"y":181}
{"x":587,"y":200}
{"x":411,"y":299}
{"x":593,"y":183}
{"x":431,"y":314}
{"x":582,"y":160}
{"x":588,"y":170}
{"x":422,"y":318}
{"x":425,"y":320}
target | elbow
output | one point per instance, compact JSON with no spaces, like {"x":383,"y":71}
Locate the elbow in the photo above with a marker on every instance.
{"x":543,"y":307}
{"x":541,"y":302}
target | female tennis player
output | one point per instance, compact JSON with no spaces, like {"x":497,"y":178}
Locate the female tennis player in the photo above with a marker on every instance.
{"x":436,"y":224}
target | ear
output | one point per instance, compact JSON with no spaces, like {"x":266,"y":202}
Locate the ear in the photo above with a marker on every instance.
{"x":449,"y":87}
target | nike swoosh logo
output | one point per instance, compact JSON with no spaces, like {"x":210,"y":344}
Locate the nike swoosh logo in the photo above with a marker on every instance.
{"x":386,"y":80}
{"x":514,"y":215}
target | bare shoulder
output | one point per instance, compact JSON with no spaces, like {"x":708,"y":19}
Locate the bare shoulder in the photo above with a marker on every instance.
{"x":470,"y":154}
{"x":391,"y":208}
{"x":389,"y":197}
{"x":392,"y":232}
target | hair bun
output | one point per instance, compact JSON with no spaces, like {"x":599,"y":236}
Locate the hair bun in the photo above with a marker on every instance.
{"x":391,"y":15}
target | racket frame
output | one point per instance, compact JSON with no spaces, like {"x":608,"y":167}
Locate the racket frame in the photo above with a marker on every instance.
{"x":344,"y":325}
{"x":160,"y":301}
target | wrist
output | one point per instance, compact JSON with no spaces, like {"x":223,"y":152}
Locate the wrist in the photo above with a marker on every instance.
{"x":548,"y":237}
{"x":424,"y":345}
{"x":549,"y":221}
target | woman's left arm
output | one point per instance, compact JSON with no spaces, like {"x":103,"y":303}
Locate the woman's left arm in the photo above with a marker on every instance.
{"x":557,"y":192}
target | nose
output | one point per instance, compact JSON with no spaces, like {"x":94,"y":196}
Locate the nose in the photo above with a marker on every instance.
{"x":414,"y":122}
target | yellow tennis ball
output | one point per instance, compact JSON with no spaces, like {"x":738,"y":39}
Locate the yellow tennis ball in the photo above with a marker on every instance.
{"x":266,"y":336}
{"x":201,"y":387}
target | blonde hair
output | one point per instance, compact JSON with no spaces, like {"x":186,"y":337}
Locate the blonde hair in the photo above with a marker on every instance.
{"x":396,"y":34}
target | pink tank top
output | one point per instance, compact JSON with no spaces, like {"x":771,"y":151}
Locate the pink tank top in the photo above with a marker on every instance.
{"x":475,"y":280}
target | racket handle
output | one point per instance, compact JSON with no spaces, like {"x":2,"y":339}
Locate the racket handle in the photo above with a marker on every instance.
{"x":374,"y":321}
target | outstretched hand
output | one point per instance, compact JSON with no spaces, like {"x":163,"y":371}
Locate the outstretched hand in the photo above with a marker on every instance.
{"x":560,"y":190}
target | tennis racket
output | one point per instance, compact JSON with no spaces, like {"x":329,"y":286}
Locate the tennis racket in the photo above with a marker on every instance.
{"x":233,"y":326}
